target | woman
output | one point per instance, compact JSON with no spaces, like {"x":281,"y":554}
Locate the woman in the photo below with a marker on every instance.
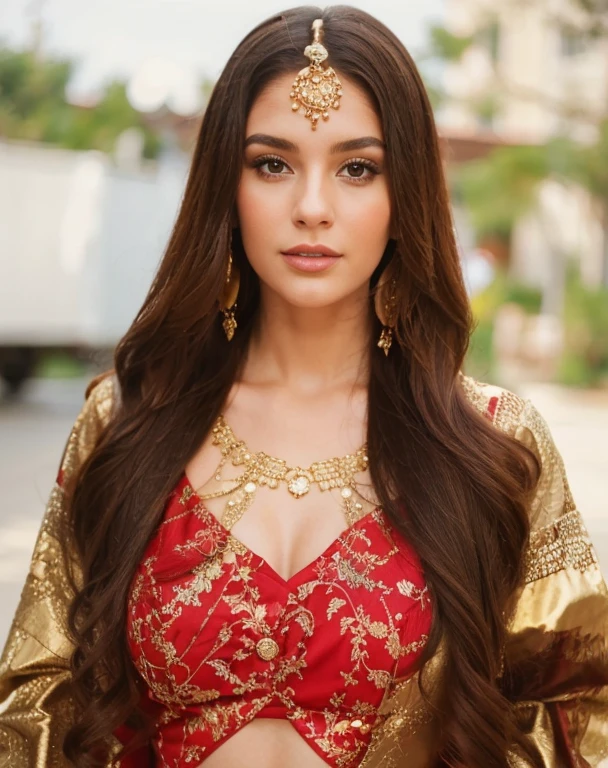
{"x":209,"y":585}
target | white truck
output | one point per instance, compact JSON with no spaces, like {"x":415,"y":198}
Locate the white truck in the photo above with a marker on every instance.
{"x":80,"y":240}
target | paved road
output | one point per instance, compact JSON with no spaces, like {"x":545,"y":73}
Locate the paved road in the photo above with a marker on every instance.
{"x":32,"y":435}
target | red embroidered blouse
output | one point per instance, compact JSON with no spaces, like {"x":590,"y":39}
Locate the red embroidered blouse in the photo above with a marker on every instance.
{"x":220,"y":638}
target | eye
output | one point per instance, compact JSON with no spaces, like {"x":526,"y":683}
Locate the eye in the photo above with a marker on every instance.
{"x":274,"y":164}
{"x":360,"y":170}
{"x":357,"y":169}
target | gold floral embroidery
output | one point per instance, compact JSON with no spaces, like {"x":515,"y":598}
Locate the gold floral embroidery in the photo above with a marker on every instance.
{"x":359,"y":602}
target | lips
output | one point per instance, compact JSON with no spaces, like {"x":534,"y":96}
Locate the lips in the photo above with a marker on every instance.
{"x":306,"y":249}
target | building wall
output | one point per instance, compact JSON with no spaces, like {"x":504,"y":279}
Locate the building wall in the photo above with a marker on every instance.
{"x":532,"y":70}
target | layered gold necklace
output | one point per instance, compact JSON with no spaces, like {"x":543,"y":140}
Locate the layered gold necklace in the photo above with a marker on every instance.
{"x":260,"y":469}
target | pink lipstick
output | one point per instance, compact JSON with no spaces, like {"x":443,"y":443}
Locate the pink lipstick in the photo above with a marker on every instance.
{"x":310,"y":258}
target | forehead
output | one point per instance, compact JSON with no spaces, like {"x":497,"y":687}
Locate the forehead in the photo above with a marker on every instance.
{"x":271,"y":113}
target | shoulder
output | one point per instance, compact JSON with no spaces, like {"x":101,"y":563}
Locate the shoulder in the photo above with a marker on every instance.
{"x":510,"y":413}
{"x":101,"y":399}
{"x":520,"y":418}
{"x":503,"y":407}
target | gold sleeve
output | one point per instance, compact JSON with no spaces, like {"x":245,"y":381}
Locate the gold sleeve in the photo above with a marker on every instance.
{"x":36,"y":706}
{"x":556,"y":657}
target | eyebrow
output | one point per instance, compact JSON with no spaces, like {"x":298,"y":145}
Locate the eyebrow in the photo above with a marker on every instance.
{"x":289,"y":146}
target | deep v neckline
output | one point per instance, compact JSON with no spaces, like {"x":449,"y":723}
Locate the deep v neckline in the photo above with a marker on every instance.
{"x":294,"y":580}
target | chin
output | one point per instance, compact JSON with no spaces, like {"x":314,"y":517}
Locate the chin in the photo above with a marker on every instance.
{"x":317,"y":299}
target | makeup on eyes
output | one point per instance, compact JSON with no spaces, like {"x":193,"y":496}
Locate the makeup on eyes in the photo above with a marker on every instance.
{"x":365,"y":163}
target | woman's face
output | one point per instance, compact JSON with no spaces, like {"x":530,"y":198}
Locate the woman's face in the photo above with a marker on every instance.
{"x":299,"y":187}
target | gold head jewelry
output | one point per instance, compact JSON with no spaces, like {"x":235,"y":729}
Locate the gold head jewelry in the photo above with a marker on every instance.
{"x":228,"y":298}
{"x":316,"y":88}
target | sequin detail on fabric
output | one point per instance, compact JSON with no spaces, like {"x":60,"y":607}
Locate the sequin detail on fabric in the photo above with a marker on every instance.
{"x":560,"y":545}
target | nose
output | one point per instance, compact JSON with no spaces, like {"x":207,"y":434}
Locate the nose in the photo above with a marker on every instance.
{"x":313,"y":206}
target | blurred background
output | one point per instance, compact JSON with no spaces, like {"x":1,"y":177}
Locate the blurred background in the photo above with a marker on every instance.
{"x":100,"y":106}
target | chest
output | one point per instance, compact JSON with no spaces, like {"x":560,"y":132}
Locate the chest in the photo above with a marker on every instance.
{"x":220,"y":638}
{"x":287,"y":510}
{"x":209,"y":614}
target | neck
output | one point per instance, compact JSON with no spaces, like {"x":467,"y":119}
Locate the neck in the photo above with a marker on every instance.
{"x":309,"y":350}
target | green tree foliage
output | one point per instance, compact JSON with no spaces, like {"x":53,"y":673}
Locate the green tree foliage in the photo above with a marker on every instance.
{"x":32,"y":101}
{"x":584,"y":360}
{"x":446,"y":45}
{"x":33,"y":106}
{"x":481,"y":357}
{"x":500,"y":188}
{"x":590,"y":166}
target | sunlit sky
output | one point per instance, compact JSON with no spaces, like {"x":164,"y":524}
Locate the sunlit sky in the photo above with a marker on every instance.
{"x":115,"y":38}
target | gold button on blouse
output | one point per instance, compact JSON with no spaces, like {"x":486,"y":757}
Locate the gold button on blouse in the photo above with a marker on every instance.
{"x":267,"y":648}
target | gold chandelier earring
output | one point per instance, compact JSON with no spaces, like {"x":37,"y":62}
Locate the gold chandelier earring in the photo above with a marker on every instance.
{"x":228,"y":298}
{"x":385,"y":304}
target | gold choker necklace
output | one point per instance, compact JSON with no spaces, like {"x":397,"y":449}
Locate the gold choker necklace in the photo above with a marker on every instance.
{"x":260,"y":469}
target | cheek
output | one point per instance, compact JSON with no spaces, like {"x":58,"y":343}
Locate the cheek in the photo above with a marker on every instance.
{"x":369,"y":215}
{"x":256,"y":208}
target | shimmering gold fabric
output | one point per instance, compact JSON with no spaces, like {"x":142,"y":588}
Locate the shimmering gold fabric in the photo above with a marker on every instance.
{"x":557,"y":649}
{"x":34,"y":669}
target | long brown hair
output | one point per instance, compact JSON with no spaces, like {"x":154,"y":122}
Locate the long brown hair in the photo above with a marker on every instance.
{"x":464,"y":484}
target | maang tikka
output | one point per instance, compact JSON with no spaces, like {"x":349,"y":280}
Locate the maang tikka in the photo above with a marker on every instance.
{"x":228,"y":298}
{"x":316,"y":88}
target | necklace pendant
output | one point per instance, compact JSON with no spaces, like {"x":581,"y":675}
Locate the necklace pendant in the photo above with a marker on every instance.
{"x":299,"y":485}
